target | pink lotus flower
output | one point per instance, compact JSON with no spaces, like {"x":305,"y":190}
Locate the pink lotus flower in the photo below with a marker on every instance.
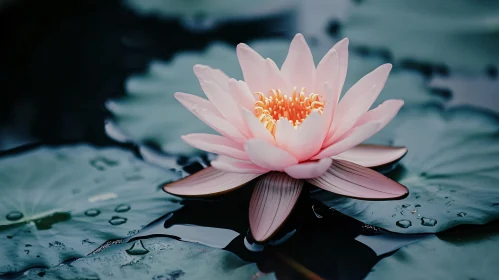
{"x":289,"y":124}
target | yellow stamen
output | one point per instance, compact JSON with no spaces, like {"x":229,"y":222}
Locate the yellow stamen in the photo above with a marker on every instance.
{"x":295,"y":108}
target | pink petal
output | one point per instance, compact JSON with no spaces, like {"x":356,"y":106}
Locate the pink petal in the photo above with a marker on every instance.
{"x":372,"y":155}
{"x":216,"y":144}
{"x":299,"y":69}
{"x":358,"y":100}
{"x":191,"y":102}
{"x":329,"y":108}
{"x":219,"y":124}
{"x":242,"y":94}
{"x":304,"y":141}
{"x":284,"y":133}
{"x":328,"y":71}
{"x":207,"y":73}
{"x":233,"y":165}
{"x":352,"y":180}
{"x":272,"y":201}
{"x":275,"y":79}
{"x":351,"y":139}
{"x":256,"y":128}
{"x":252,"y":65}
{"x":217,"y":91}
{"x":267,"y":155}
{"x":208,"y":181}
{"x":342,"y":49}
{"x":310,"y":169}
{"x":384,"y":113}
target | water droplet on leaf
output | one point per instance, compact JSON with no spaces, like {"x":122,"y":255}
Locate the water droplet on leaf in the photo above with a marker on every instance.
{"x":117,"y":220}
{"x":406,"y":205}
{"x":122,"y":208}
{"x":14,"y":216}
{"x":92,"y":212}
{"x":417,"y":205}
{"x":461,"y":214}
{"x":137,"y":249}
{"x":428,"y":222}
{"x":101,"y":163}
{"x":403,"y":223}
{"x":315,"y":213}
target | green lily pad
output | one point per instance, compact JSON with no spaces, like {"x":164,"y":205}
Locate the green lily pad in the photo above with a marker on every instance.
{"x":465,"y":254}
{"x":429,"y":31}
{"x":212,"y":10}
{"x":158,"y":258}
{"x":62,"y":203}
{"x":451,"y":171}
{"x":150,"y":113}
{"x":476,"y":91}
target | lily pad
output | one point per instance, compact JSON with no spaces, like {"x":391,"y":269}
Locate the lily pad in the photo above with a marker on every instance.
{"x":451,"y":171}
{"x":429,"y":31}
{"x":59,"y":203}
{"x":476,"y":91}
{"x":150,"y":113}
{"x":465,"y":254}
{"x":158,"y":258}
{"x":210,"y":10}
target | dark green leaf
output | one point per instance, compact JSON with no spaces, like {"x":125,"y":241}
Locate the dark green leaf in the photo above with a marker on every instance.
{"x":62,"y":203}
{"x":158,"y":258}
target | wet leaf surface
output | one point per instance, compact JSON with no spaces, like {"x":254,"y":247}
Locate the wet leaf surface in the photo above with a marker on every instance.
{"x":451,"y":171}
{"x":464,"y":253}
{"x":60,"y":203}
{"x":427,"y":32}
{"x":157,"y":258}
{"x":470,"y":91}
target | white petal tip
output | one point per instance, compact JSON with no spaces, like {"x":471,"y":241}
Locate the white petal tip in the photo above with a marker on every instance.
{"x":387,"y":66}
{"x":299,"y":35}
{"x":344,"y":41}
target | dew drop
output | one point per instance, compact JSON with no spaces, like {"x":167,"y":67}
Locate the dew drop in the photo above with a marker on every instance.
{"x":461,"y":214}
{"x":403,"y":223}
{"x":92,"y":212}
{"x":428,"y":222}
{"x":122,"y":208}
{"x":117,"y":220}
{"x":14,"y":216}
{"x":417,"y":205}
{"x":406,"y":205}
{"x":319,"y":216}
{"x":137,"y":249}
{"x":414,"y":211}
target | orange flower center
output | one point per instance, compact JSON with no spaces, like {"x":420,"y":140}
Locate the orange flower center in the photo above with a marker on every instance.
{"x":294,"y":108}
